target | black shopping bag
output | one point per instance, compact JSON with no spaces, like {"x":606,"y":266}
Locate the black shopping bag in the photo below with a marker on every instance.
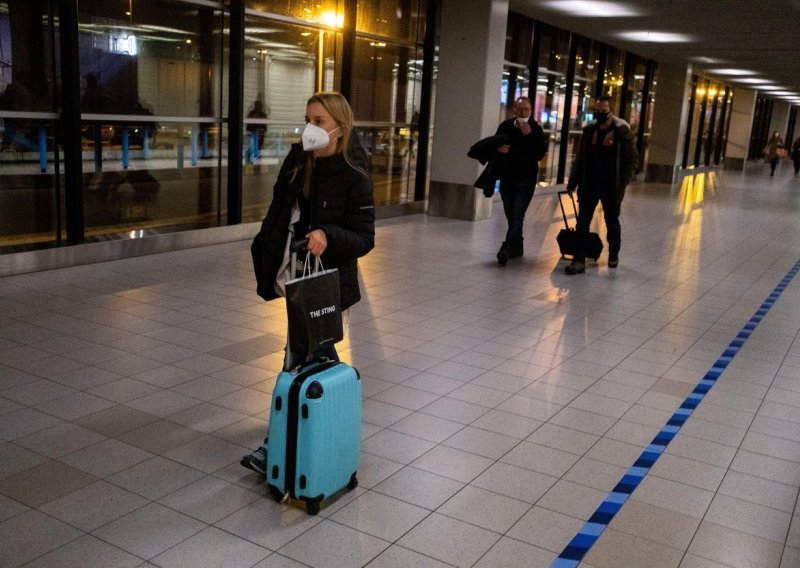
{"x":314,"y":308}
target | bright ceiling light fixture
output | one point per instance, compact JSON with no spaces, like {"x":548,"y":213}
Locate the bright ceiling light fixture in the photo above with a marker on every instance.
{"x":734,"y":72}
{"x":655,"y":37}
{"x":783,"y":93}
{"x":708,"y":60}
{"x":749,"y":80}
{"x":592,"y":9}
{"x":768,"y":88}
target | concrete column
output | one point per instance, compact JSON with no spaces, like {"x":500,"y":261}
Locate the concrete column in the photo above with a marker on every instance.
{"x":471,"y":49}
{"x":670,"y":116}
{"x":780,"y":117}
{"x":744,"y":106}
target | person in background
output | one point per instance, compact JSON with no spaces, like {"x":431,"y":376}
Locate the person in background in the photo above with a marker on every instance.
{"x":256,"y":131}
{"x":518,"y":165}
{"x":324,"y":194}
{"x":772,"y":151}
{"x":796,"y":156}
{"x":604,"y":166}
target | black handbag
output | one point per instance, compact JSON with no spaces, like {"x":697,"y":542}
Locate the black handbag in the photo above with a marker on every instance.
{"x":314,"y":308}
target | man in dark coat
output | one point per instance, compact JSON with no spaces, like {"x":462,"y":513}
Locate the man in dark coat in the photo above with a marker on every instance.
{"x":604,"y":166}
{"x":518,"y":165}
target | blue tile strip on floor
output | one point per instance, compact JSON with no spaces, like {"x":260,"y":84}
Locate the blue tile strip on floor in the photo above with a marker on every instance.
{"x":574,"y":552}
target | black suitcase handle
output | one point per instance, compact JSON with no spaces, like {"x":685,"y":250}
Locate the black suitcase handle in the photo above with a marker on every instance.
{"x":298,"y":245}
{"x":563,"y":212}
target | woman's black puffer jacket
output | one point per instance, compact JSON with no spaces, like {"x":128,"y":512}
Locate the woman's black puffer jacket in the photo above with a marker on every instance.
{"x":341,"y":205}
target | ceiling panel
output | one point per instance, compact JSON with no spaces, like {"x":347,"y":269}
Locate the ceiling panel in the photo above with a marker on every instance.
{"x":759,"y":35}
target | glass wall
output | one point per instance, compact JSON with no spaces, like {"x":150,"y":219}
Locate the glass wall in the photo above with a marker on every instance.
{"x":151,"y":111}
{"x":386,"y":93}
{"x":291,"y":61}
{"x":284,"y":64}
{"x":549,"y":103}
{"x":386,"y":99}
{"x":594,"y":68}
{"x":583,"y":87}
{"x":154,"y":107}
{"x":30,"y":193}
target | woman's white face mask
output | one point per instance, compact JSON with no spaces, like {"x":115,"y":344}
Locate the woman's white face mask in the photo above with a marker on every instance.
{"x":315,"y":137}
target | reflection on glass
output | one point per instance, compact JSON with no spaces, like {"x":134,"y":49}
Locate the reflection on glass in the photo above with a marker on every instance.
{"x":519,"y":39}
{"x":260,"y":174}
{"x":28,"y":201}
{"x":26,"y":80}
{"x":392,"y":162}
{"x":396,"y":19}
{"x":284,"y":66}
{"x":149,"y":57}
{"x":554,"y":50}
{"x":614,"y":76}
{"x":326,"y":12}
{"x":548,"y":108}
{"x":699,"y":119}
{"x":387,"y":82}
{"x":152,"y":175}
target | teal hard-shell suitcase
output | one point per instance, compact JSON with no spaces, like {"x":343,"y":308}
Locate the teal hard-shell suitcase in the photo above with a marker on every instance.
{"x":314,"y":433}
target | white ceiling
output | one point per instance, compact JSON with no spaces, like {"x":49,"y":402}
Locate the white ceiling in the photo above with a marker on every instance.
{"x":758,"y":35}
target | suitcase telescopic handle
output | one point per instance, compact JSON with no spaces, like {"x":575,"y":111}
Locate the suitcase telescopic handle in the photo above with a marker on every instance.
{"x":298,"y":245}
{"x":561,"y":203}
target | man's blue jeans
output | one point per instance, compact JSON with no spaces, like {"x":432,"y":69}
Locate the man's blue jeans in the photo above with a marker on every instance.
{"x":516,"y":196}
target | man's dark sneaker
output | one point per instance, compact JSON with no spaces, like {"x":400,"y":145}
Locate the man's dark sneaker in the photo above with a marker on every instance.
{"x":502,"y":255}
{"x":613,"y":260}
{"x":257,"y":461}
{"x":515,"y":250}
{"x":575,"y":267}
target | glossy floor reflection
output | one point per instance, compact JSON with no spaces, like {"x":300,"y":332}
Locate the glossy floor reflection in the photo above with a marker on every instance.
{"x":501,"y":405}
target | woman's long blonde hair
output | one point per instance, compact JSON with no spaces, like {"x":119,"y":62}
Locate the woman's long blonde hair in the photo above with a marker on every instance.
{"x":339,"y":109}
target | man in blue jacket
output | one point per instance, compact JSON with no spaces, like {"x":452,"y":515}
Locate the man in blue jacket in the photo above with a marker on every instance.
{"x":606,"y":163}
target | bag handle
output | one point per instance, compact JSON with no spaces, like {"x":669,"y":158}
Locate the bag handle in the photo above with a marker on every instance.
{"x":299,"y":245}
{"x":307,"y":270}
{"x":561,"y":203}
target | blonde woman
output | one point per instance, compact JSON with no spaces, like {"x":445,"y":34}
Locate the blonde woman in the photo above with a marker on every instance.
{"x":324,"y":194}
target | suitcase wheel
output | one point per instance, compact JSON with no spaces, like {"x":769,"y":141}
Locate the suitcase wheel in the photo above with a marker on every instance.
{"x":353,"y":483}
{"x":275,"y":493}
{"x":312,"y":506}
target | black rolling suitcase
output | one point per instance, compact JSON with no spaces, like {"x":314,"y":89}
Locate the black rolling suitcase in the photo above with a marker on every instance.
{"x":568,"y":237}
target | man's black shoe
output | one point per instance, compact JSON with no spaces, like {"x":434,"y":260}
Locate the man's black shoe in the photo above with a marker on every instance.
{"x":502,"y":254}
{"x":613,"y":260}
{"x":575,"y":267}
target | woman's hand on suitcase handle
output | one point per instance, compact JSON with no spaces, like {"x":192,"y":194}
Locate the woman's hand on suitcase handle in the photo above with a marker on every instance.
{"x":317,"y":242}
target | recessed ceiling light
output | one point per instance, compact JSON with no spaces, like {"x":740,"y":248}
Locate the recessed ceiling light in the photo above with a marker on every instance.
{"x":768,"y":88}
{"x":708,"y":60}
{"x":749,"y":80}
{"x":593,"y":9}
{"x":781,"y":93}
{"x":742,"y":72}
{"x":655,"y":37}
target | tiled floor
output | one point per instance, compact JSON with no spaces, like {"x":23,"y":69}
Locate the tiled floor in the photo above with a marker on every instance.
{"x":501,"y":405}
